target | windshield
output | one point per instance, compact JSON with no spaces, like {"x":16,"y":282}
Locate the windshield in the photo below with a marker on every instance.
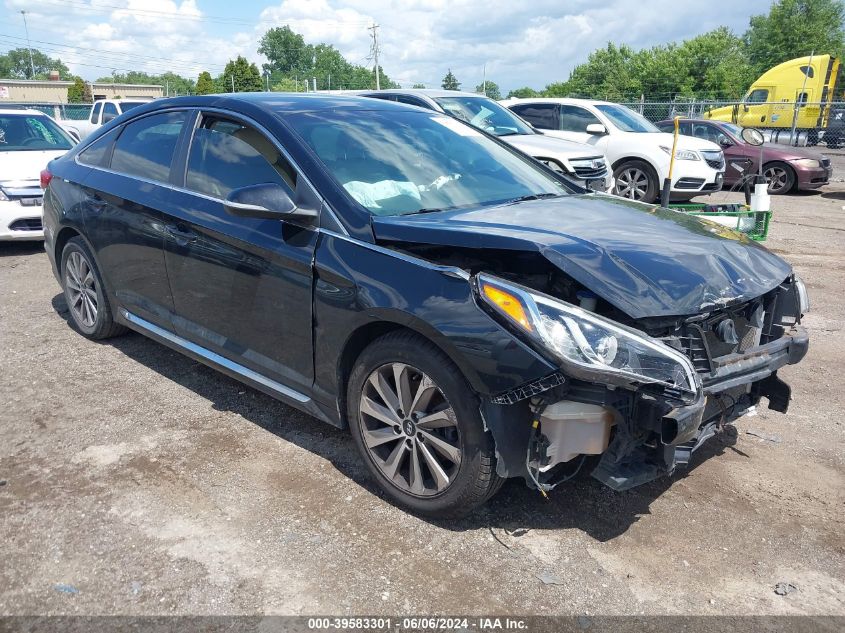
{"x":31,"y":132}
{"x":626,"y":119}
{"x":485,"y":114}
{"x":128,"y":105}
{"x":397,"y":163}
{"x":733,"y":129}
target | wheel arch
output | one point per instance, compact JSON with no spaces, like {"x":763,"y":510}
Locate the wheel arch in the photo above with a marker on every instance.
{"x":360,"y":338}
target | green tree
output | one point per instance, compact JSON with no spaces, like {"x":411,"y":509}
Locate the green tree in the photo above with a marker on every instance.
{"x":490,"y":88}
{"x":418,"y":86}
{"x":523,"y":93}
{"x":450,"y":82}
{"x":205,"y":84}
{"x":286,"y":84}
{"x":16,"y":65}
{"x":795,"y":28}
{"x":286,"y":51}
{"x":76,"y":92}
{"x":172,"y":83}
{"x":245,"y":75}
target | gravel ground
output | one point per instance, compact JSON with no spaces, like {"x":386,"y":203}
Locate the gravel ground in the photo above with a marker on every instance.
{"x":135,"y":481}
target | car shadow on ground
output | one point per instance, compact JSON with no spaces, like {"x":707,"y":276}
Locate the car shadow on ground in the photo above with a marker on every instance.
{"x":17,"y":249}
{"x":834,"y":195}
{"x":582,"y":503}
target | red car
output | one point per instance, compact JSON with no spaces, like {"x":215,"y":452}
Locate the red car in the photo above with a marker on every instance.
{"x":785,"y":168}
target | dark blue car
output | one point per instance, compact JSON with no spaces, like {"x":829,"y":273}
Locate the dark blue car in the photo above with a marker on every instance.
{"x":467,"y":313}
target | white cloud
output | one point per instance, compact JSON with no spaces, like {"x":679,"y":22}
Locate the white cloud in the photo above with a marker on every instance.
{"x":520,"y":43}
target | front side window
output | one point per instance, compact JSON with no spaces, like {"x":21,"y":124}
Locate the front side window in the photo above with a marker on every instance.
{"x":109,"y":108}
{"x":626,"y":119}
{"x":95,"y":112}
{"x":397,"y":163}
{"x":96,"y":154}
{"x":543,"y":116}
{"x":24,"y":132}
{"x":759,"y":95}
{"x":484,"y":114}
{"x":575,"y":119}
{"x":145,"y":147}
{"x":227,"y":155}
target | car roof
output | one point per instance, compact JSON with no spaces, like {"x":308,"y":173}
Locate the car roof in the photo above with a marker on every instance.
{"x":272,"y":102}
{"x":572,"y":100}
{"x":430,"y":92}
{"x":27,"y":111}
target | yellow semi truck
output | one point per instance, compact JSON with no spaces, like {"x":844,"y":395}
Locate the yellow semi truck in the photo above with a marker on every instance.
{"x":771,"y":100}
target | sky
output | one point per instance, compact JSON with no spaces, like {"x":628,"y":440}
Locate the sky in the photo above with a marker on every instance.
{"x":519,"y":43}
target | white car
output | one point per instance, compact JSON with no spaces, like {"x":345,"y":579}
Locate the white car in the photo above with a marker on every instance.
{"x":29,"y":139}
{"x":638,"y":151}
{"x":582,"y":163}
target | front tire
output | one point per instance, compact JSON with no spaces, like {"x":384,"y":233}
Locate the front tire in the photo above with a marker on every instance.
{"x":780,"y":177}
{"x":417,"y":425}
{"x":88,"y":305}
{"x":635,"y":180}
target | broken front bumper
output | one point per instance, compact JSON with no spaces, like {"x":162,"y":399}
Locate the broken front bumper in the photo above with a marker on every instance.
{"x":736,"y":383}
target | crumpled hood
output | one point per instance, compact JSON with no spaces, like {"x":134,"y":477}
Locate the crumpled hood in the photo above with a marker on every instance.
{"x":549,"y":146}
{"x":646,"y":261}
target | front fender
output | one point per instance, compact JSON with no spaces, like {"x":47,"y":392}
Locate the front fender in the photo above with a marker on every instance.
{"x":357,"y":284}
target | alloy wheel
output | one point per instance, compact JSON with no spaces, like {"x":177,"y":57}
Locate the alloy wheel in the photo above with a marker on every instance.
{"x":776,"y":177}
{"x":410,"y":430}
{"x":632,"y":183}
{"x":82,"y":289}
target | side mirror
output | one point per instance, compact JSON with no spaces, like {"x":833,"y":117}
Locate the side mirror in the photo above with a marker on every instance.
{"x":724,"y":141}
{"x":269,"y":201}
{"x":596,"y":128}
{"x":108,"y":117}
{"x":752,"y":136}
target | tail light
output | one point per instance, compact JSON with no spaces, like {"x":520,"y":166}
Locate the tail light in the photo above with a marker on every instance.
{"x":46,"y":177}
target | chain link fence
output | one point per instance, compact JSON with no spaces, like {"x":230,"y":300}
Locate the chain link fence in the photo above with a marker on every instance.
{"x":816,"y":123}
{"x":59,"y":111}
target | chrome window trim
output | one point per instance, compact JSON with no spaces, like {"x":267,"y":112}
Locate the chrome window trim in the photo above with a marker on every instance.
{"x":213,"y":357}
{"x":324,"y":206}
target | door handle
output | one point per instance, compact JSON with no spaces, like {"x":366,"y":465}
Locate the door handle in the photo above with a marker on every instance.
{"x":182,"y":237}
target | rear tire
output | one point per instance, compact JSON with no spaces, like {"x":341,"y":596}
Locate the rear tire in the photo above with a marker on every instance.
{"x":635,"y":180}
{"x":88,"y":305}
{"x":423,"y":441}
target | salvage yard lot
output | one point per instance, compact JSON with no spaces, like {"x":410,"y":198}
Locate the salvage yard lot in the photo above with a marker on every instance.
{"x":136,"y":481}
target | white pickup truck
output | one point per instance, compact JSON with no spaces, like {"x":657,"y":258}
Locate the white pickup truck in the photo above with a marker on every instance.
{"x":101,"y":113}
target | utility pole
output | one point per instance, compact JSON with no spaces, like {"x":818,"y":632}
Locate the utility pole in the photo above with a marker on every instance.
{"x":792,"y":140}
{"x":233,"y":82}
{"x":484,"y":80}
{"x":374,"y":29}
{"x":28,"y":45}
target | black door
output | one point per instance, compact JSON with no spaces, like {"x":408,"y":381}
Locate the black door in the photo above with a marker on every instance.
{"x":241,"y":286}
{"x":124,"y":212}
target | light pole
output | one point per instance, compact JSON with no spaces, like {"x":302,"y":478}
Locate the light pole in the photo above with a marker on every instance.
{"x":28,"y":45}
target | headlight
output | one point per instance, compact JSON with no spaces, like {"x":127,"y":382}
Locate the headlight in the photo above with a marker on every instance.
{"x":681,"y":154}
{"x":803,"y":297}
{"x":808,"y":163}
{"x":590,"y":346}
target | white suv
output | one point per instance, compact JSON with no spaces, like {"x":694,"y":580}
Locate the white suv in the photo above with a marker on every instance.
{"x":637,"y":150}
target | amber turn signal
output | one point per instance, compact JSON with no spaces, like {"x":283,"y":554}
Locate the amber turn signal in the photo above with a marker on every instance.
{"x":508,"y":304}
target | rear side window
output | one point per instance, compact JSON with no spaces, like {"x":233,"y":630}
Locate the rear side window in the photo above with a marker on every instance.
{"x":95,"y":112}
{"x":227,"y":155}
{"x":146,"y":146}
{"x":96,"y":154}
{"x":109,"y":108}
{"x":575,"y":119}
{"x":540,"y":115}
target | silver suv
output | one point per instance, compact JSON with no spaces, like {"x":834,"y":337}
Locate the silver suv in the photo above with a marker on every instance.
{"x":579,"y":161}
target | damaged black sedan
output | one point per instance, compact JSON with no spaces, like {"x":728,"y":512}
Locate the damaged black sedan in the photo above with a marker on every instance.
{"x":467,"y":313}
